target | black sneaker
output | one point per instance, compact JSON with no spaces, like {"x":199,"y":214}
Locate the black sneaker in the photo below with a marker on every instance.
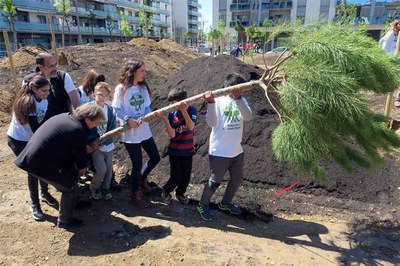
{"x":74,"y":223}
{"x":49,"y":199}
{"x":37,"y":213}
{"x":114,"y":186}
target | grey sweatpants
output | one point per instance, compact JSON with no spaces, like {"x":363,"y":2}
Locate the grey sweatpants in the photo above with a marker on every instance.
{"x":103,"y":166}
{"x":218,"y":167}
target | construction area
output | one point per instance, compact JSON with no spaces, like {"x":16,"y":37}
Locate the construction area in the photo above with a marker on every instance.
{"x":350,"y":219}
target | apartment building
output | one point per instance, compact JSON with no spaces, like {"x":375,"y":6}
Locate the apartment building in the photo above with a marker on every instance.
{"x":186,"y":19}
{"x":248,"y":11}
{"x":32,"y":22}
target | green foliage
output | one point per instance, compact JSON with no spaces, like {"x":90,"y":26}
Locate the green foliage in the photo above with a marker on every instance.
{"x":239,"y":26}
{"x":110,"y":24}
{"x":126,"y":29}
{"x":345,"y":12}
{"x":325,"y":115}
{"x":8,"y":7}
{"x":185,"y":37}
{"x":63,"y":7}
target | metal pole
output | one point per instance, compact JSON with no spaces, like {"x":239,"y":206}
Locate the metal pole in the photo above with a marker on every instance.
{"x":10,"y":58}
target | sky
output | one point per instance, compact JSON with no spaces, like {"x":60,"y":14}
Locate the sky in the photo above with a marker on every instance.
{"x":206,"y":12}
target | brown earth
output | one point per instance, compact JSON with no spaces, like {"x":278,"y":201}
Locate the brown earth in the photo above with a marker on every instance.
{"x":349,"y":220}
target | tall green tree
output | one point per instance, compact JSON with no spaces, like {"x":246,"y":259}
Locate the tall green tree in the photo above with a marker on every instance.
{"x":240,"y":29}
{"x":10,"y":10}
{"x":92,"y":21}
{"x":212,"y":36}
{"x":64,"y":8}
{"x":125,"y":27}
{"x":146,"y":20}
{"x":221,"y":33}
{"x":110,"y":24}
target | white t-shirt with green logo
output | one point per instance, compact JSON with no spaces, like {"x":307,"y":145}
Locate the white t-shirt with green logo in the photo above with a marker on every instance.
{"x":23,"y":132}
{"x":227,"y":130}
{"x":102,"y":129}
{"x":134,"y":102}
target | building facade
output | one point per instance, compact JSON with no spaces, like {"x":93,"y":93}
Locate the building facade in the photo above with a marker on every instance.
{"x":89,"y":20}
{"x":186,"y":21}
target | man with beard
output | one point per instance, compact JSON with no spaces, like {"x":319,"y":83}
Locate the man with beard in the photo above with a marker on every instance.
{"x":63,"y":92}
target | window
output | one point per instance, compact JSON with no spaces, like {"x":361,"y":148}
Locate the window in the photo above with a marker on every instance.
{"x":42,"y":19}
{"x":130,"y":13}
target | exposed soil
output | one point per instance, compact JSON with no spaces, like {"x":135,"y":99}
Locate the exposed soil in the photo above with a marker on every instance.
{"x":350,"y":219}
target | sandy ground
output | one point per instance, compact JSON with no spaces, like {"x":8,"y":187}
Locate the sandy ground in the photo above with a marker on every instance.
{"x":118,"y":234}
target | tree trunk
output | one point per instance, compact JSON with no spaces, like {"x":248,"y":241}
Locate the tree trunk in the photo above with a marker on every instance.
{"x":255,"y":84}
{"x":62,"y":32}
{"x":146,"y":27}
{"x":77,"y":23}
{"x":15,"y":39}
{"x":92,"y":35}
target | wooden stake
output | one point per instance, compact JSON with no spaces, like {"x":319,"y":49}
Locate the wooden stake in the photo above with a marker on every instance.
{"x":53,"y":38}
{"x":10,"y":58}
{"x":388,"y":105}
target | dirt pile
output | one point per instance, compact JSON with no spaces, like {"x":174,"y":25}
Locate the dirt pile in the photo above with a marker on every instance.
{"x":24,"y":56}
{"x":162,"y":60}
{"x":261,"y":168}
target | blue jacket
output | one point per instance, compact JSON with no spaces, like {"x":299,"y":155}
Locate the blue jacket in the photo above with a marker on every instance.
{"x":111,"y":124}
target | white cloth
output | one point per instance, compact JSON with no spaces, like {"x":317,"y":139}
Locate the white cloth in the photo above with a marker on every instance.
{"x":388,"y":42}
{"x":102,"y":128}
{"x":83,"y":97}
{"x":134,"y":102}
{"x":226,"y":117}
{"x":23,"y":132}
{"x":68,"y":83}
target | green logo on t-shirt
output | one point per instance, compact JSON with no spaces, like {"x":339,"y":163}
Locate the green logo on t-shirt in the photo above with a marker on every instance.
{"x":136,"y":101}
{"x":232,"y":112}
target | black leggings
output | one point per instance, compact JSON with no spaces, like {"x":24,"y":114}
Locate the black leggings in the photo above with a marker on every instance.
{"x":135,"y":153}
{"x":17,"y":146}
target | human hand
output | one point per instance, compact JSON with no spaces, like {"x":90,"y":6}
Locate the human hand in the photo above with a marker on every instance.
{"x":236,"y":93}
{"x":160,"y":115}
{"x":132,"y":123}
{"x":208,"y":97}
{"x":183,"y":107}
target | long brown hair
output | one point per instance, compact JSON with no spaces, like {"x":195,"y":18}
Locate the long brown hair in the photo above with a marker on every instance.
{"x":90,"y":80}
{"x":127,"y":76}
{"x":24,"y":103}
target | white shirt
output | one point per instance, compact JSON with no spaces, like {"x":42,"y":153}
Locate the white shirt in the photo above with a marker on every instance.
{"x":68,"y":83}
{"x":388,"y":42}
{"x":136,"y":99}
{"x":102,"y":128}
{"x":83,"y":97}
{"x":226,"y":117}
{"x":23,"y":132}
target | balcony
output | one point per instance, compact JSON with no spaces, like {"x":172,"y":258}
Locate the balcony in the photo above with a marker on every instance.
{"x":239,"y":7}
{"x":193,"y":21}
{"x":35,"y":5}
{"x":126,"y":3}
{"x":194,"y":13}
{"x":244,"y":23}
{"x":281,"y":5}
{"x":193,"y":30}
{"x":194,"y":3}
{"x":166,"y":1}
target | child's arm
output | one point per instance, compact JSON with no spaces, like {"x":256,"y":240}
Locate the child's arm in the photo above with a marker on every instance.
{"x":211,"y":116}
{"x":169,"y":129}
{"x":189,"y":122}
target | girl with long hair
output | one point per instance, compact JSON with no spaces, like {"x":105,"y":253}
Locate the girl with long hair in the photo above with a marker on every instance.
{"x":132,"y":99}
{"x":29,"y":111}
{"x":85,"y":91}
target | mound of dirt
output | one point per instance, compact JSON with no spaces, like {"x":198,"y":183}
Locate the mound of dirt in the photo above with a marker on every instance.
{"x":24,"y":56}
{"x":262,"y":170}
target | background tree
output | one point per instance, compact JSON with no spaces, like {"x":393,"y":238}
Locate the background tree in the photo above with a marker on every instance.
{"x":240,"y":29}
{"x":146,"y":20}
{"x":221,"y":33}
{"x":267,"y":23}
{"x":345,"y":12}
{"x":185,"y":37}
{"x":125,"y":27}
{"x":10,"y":10}
{"x":92,"y":21}
{"x":110,"y":24}
{"x":64,"y":8}
{"x":212,"y":36}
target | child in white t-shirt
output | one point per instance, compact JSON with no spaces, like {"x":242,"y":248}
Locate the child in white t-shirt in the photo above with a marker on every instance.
{"x":103,"y":157}
{"x":132,"y":98}
{"x":30,"y":110}
{"x":225,"y":115}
